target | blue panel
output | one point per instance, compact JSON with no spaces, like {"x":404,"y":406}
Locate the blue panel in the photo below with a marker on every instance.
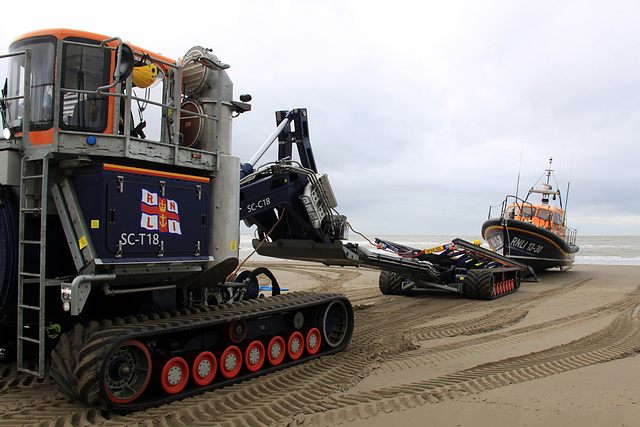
{"x":133,"y":217}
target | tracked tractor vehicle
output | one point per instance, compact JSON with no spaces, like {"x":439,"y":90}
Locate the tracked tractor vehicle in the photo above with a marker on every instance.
{"x":119,"y":228}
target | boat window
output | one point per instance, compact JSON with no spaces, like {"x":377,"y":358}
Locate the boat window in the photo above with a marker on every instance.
{"x":43,"y":55}
{"x":528,"y":212}
{"x":544,"y":214}
{"x":557,"y":218}
{"x":85,"y":68}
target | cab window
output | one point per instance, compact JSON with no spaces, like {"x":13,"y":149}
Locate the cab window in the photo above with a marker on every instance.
{"x":43,"y":54}
{"x":85,"y":69}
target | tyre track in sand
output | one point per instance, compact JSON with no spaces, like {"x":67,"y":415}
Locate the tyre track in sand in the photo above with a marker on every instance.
{"x":475,"y":345}
{"x":621,"y":338}
{"x":507,"y":312}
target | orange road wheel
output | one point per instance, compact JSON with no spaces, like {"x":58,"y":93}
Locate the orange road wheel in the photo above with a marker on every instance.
{"x":312,"y":340}
{"x":295,"y":345}
{"x":203,"y":368}
{"x":276,"y":350}
{"x":174,"y":375}
{"x":254,"y":355}
{"x":230,"y":361}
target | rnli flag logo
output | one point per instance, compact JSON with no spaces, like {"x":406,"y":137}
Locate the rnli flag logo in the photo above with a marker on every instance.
{"x":159,"y":213}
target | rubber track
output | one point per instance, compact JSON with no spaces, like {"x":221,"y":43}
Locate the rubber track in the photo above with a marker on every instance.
{"x":88,"y":371}
{"x":64,"y":358}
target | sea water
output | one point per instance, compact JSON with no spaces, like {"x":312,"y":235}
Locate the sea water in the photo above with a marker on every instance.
{"x":605,"y":250}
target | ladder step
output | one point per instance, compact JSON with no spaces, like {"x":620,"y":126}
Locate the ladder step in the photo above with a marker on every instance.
{"x":32,"y":176}
{"x":29,"y":307}
{"x":31,"y":340}
{"x":29,"y":371}
{"x":25,"y":274}
{"x":30,"y":210}
{"x":31,"y":242}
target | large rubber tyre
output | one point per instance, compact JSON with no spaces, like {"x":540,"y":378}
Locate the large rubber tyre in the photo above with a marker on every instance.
{"x":390,"y":283}
{"x":478,"y":284}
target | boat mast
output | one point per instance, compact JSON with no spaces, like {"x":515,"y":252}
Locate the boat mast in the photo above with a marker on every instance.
{"x":547,"y":186}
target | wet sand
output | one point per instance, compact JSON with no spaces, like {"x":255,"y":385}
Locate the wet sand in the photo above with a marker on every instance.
{"x":560,"y":351}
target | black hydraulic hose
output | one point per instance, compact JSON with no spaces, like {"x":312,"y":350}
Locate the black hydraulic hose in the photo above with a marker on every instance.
{"x":275,"y":288}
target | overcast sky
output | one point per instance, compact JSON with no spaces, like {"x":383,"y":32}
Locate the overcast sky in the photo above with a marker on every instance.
{"x":420,"y":111}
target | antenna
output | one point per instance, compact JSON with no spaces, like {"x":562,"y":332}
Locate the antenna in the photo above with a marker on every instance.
{"x":566,"y":196}
{"x":519,"y":166}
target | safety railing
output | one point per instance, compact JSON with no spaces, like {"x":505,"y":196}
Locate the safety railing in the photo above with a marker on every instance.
{"x":118,"y":97}
{"x":519,"y":204}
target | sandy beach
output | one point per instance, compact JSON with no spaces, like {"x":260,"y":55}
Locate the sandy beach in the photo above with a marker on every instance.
{"x":560,"y":351}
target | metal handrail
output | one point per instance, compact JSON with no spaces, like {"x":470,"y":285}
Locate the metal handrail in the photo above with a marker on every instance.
{"x":571,"y":236}
{"x":116,"y":78}
{"x":100,"y":90}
